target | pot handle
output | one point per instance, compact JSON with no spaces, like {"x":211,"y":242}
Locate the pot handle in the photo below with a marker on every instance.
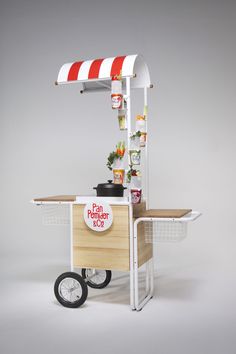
{"x":94,"y":187}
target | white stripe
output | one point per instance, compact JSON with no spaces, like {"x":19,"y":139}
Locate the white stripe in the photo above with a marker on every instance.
{"x":128,"y":65}
{"x":84,"y":70}
{"x":105,"y":68}
{"x":63,"y":73}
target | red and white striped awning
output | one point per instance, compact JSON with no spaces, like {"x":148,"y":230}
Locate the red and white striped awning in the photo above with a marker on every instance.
{"x":102,"y":70}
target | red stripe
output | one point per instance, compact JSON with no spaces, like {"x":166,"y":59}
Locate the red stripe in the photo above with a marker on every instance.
{"x":94,"y":69}
{"x":117,"y":66}
{"x":74,"y":70}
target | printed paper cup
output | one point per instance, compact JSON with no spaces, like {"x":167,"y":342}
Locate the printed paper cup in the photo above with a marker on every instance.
{"x":135,"y":143}
{"x":136,"y":196}
{"x":118,"y":176}
{"x":135,"y":157}
{"x":116,"y":100}
{"x":122,"y":121}
{"x":143,"y":139}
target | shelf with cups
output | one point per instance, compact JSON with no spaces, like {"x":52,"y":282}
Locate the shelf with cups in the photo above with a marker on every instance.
{"x":137,"y":142}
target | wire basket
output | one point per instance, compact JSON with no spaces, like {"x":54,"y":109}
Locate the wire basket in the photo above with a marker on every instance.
{"x":55,"y":214}
{"x":164,"y":231}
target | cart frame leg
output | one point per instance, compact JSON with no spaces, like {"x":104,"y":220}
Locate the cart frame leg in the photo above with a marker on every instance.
{"x":71,"y":239}
{"x":131,"y":238}
{"x":139,"y":303}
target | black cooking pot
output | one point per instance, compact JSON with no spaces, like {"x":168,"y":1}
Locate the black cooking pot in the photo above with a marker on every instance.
{"x":110,"y":189}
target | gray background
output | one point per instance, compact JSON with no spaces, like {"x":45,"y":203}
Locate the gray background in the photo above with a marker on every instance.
{"x":52,"y":142}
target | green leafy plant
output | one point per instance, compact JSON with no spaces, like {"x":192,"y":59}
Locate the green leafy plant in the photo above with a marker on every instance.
{"x":111,"y":158}
{"x":136,"y":134}
{"x":132,"y":172}
{"x":114,"y":155}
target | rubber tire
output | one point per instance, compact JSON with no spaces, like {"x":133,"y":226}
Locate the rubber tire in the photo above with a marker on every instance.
{"x":97,"y":286}
{"x":82,"y":283}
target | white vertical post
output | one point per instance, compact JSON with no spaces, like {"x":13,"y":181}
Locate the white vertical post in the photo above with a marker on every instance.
{"x":71,"y":239}
{"x":131,"y":240}
{"x":146,"y":151}
{"x":128,"y":114}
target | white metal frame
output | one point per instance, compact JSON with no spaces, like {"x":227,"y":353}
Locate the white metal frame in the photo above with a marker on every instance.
{"x":133,"y":243}
{"x":139,"y":303}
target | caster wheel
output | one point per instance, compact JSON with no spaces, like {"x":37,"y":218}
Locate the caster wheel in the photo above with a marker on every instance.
{"x":96,"y":278}
{"x":70,"y":290}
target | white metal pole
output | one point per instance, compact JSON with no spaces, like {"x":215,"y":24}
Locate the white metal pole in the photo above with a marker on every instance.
{"x":71,"y":239}
{"x":146,"y":151}
{"x":129,"y":127}
{"x":136,"y":289}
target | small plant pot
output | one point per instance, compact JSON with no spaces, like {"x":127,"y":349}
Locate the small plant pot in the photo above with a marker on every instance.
{"x":143,"y":139}
{"x":136,"y":195}
{"x":135,"y":157}
{"x":116,"y":101}
{"x":135,"y":182}
{"x":135,"y":142}
{"x":118,"y":176}
{"x":118,"y":164}
{"x":122,"y":119}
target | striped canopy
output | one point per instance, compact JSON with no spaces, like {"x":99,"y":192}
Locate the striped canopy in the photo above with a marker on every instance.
{"x":97,"y":73}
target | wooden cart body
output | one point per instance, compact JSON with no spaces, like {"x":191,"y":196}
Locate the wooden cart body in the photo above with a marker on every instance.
{"x":109,"y":249}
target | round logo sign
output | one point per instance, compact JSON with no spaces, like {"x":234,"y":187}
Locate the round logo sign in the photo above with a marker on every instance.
{"x":98,"y":215}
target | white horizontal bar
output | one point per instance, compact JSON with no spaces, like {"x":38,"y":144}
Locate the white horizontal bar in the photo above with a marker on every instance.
{"x":186,"y":218}
{"x":89,"y":80}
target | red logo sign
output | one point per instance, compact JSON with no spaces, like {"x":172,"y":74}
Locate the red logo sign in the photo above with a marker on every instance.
{"x":98,"y":215}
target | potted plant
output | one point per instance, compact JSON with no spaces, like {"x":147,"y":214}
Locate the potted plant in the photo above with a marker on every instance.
{"x":135,"y":140}
{"x":115,"y":162}
{"x":135,"y":157}
{"x":134,"y":177}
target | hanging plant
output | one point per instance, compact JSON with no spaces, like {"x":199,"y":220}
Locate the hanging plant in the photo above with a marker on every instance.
{"x":115,"y":155}
{"x":135,"y":135}
{"x":131,"y":173}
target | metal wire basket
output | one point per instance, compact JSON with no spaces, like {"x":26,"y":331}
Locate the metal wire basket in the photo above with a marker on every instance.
{"x":164,"y":231}
{"x":58,"y":214}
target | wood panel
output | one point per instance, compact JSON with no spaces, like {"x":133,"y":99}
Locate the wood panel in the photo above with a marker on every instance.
{"x":101,"y":258}
{"x":103,"y":250}
{"x":145,"y":250}
{"x":163,"y":213}
{"x":57,"y":198}
{"x":139,"y":209}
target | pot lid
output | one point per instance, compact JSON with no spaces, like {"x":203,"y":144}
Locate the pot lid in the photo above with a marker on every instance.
{"x":110,"y":185}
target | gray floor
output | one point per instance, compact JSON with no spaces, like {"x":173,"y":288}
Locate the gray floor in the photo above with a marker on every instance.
{"x":193,"y":310}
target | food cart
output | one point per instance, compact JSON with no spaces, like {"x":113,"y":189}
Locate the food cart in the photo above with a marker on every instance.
{"x":114,"y":229}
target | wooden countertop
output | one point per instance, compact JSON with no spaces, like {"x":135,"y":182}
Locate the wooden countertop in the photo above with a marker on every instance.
{"x":162,"y":213}
{"x":57,"y":198}
{"x":139,"y":210}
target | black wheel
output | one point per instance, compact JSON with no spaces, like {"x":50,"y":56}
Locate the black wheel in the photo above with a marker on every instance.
{"x":97,"y":279}
{"x":70,"y":290}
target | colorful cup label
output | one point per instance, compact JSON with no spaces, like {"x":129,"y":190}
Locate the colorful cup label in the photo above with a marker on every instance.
{"x":118,"y":176}
{"x":135,"y":157}
{"x":136,"y":196}
{"x":143,"y":139}
{"x":116,"y":101}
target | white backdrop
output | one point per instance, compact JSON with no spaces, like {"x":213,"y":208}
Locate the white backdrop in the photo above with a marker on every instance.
{"x":55,"y":141}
